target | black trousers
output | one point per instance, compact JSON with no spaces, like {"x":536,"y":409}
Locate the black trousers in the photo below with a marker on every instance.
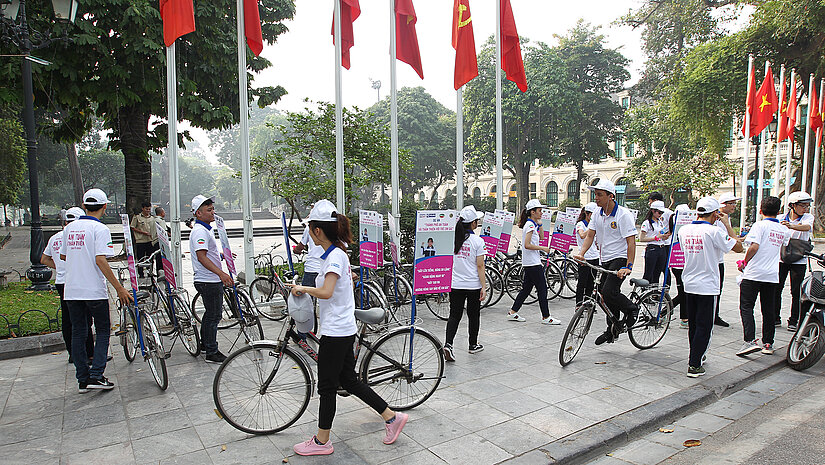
{"x":797,"y":272}
{"x":587,"y":280}
{"x":699,"y":310}
{"x":336,"y":367}
{"x":66,"y":325}
{"x":748,"y":291}
{"x":655,"y":262}
{"x":457,"y":299}
{"x":721,"y":285}
{"x":533,"y":276}
{"x":143,"y":249}
{"x":611,"y":287}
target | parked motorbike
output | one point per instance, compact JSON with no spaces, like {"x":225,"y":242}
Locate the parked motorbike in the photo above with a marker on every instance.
{"x":808,"y":343}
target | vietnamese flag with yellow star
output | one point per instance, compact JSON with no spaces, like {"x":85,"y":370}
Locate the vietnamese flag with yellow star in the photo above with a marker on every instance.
{"x":350,"y":11}
{"x":406,"y":40}
{"x":466,"y":62}
{"x":749,"y":104}
{"x":511,"y":61}
{"x":178,"y":18}
{"x":765,"y":104}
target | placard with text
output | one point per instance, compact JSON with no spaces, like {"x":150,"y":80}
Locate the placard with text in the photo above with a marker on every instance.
{"x":547,"y":217}
{"x":227,"y":249}
{"x":370,"y":239}
{"x":563,"y":232}
{"x":506,"y":229}
{"x":395,"y":239}
{"x":434,"y":240}
{"x":491,"y":232}
{"x":130,"y":251}
{"x":677,"y":255}
{"x":165,"y":255}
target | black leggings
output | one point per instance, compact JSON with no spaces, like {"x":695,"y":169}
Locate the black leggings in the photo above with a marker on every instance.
{"x":336,"y":367}
{"x":797,"y":272}
{"x":533,"y":276}
{"x":66,"y":323}
{"x":457,"y":298}
{"x":587,"y":280}
{"x":680,"y":293}
{"x":655,"y":262}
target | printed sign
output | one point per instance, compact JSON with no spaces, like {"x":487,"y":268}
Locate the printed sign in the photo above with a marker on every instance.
{"x":371,"y":239}
{"x":395,"y":240}
{"x":130,"y":253}
{"x":285,"y":230}
{"x":677,"y":255}
{"x":563,"y":232}
{"x":227,"y":250}
{"x":547,"y":226}
{"x":491,"y":232}
{"x":165,"y":255}
{"x":434,"y":239}
{"x":575,"y":211}
{"x":506,"y":229}
{"x":635,"y":214}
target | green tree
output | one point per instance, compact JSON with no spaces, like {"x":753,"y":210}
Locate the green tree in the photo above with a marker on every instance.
{"x":12,"y":159}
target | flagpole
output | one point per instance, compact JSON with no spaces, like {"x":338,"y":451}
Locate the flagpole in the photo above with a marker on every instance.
{"x":743,"y":212}
{"x":339,"y":115}
{"x":172,"y":157}
{"x":459,"y":148}
{"x":782,"y":94}
{"x":759,"y":181}
{"x":393,"y":114}
{"x":815,"y":177}
{"x":246,"y":180}
{"x":807,"y":136}
{"x":499,"y":157}
{"x":791,"y":88}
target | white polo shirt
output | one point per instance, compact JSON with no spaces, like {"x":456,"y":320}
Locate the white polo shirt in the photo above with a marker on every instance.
{"x":85,"y":238}
{"x":53,"y":250}
{"x":530,"y":257}
{"x":659,"y":227}
{"x":703,"y":244}
{"x":337,"y":314}
{"x":612,"y":232}
{"x":203,"y":238}
{"x":465,"y":269}
{"x":771,"y":236}
{"x":593,"y":251}
{"x":312,"y":264}
{"x":808,"y":219}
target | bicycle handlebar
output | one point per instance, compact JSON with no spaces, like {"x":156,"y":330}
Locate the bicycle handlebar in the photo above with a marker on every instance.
{"x":595,"y":267}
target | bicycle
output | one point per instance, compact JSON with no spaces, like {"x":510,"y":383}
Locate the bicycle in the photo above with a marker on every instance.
{"x":368,"y":292}
{"x":237,"y":309}
{"x":266,"y":386}
{"x":137,"y":329}
{"x":653,"y":319}
{"x":268,"y":293}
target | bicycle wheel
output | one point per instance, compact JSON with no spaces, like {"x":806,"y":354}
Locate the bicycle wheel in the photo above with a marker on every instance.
{"x":155,"y":355}
{"x":555,"y":282}
{"x":261,"y":390}
{"x":187,"y":328}
{"x":570,"y":277}
{"x":402,"y":379}
{"x":161,"y":312}
{"x":488,"y":289}
{"x":270,"y":303}
{"x":513,"y":281}
{"x":651,"y":325}
{"x":576,"y":332}
{"x":129,"y":340}
{"x":496,"y":286}
{"x":373,"y":296}
{"x":400,"y":303}
{"x":438,"y":304}
{"x":251,"y":328}
{"x":228,"y":320}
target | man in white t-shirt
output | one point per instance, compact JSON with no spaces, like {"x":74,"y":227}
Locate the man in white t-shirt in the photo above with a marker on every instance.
{"x":767,"y":237}
{"x":312,"y":263}
{"x":87,"y":242}
{"x":801,"y":224}
{"x":702,"y":244}
{"x":209,"y":277}
{"x":727,"y":204}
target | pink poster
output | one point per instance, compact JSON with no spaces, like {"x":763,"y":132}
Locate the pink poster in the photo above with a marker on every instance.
{"x":371,"y":240}
{"x":506,"y":229}
{"x":546,"y":226}
{"x":130,"y":254}
{"x":227,"y":250}
{"x":165,"y":253}
{"x":677,"y":255}
{"x":563,"y":232}
{"x":434,"y":238}
{"x":491,"y":232}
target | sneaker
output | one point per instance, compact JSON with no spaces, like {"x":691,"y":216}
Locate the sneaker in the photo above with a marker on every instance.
{"x":632,"y":316}
{"x":448,"y":353}
{"x":721,"y":322}
{"x":217,"y":357}
{"x":704,"y":359}
{"x":749,"y":348}
{"x":475,"y":348}
{"x":394,"y":428}
{"x":684,"y":325}
{"x":550,"y":320}
{"x":606,"y":336}
{"x":778,"y":323}
{"x":83,"y":387}
{"x":515,"y":317}
{"x":767,"y":349}
{"x":792,"y":327}
{"x":100,"y":383}
{"x":695,"y":372}
{"x":311,"y":447}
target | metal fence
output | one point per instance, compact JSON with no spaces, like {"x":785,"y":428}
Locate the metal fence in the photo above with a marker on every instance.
{"x":14,"y":327}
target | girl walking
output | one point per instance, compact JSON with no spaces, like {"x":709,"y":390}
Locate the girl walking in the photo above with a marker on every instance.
{"x":584,"y":286}
{"x":656,"y":233}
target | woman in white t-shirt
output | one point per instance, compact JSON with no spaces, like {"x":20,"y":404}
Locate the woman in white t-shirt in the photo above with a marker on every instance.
{"x":655,"y":232}
{"x":801,"y":223}
{"x":585,"y":283}
{"x":336,"y":310}
{"x":468,"y":280}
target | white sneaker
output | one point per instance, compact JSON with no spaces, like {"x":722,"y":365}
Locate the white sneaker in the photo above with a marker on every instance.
{"x":749,"y":348}
{"x":550,"y":321}
{"x":515,"y":317}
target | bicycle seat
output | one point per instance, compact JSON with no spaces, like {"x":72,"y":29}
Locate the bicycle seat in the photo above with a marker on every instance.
{"x":639,"y":282}
{"x":142,"y":295}
{"x":370,"y":316}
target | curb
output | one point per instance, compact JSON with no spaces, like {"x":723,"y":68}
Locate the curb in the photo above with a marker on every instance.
{"x":594,"y":441}
{"x":17,"y":347}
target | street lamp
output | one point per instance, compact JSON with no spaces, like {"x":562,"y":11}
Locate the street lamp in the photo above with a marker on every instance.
{"x":16,"y":30}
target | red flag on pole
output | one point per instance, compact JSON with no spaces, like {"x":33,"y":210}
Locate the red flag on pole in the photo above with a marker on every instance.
{"x":406,"y":40}
{"x":749,"y":104}
{"x":178,"y":19}
{"x":813,"y":110}
{"x":764,"y":104}
{"x":466,"y":62}
{"x":782,"y":133}
{"x":350,"y":11}
{"x":252,"y":26}
{"x":511,"y":61}
{"x":791,"y":113}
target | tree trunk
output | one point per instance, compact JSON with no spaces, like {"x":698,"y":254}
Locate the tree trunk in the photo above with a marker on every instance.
{"x":132,"y":128}
{"x":579,"y":176}
{"x":523,"y":183}
{"x":74,"y":170}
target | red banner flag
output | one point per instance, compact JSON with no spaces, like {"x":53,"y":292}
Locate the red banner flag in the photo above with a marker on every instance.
{"x":466,"y":62}
{"x":406,"y":40}
{"x":749,"y":104}
{"x":764,"y":104}
{"x":350,"y":11}
{"x":813,"y":110}
{"x":178,"y":19}
{"x":511,"y":61}
{"x":252,"y":26}
{"x":782,"y":127}
{"x":791,"y":113}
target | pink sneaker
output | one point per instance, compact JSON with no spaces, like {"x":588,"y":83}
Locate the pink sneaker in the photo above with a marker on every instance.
{"x":310,"y":447}
{"x":394,"y":428}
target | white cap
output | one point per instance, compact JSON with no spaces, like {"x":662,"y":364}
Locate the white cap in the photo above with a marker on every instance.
{"x":95,"y":197}
{"x":198,"y":200}
{"x":323,"y":211}
{"x":591,"y":207}
{"x":604,"y":185}
{"x":707,"y":205}
{"x":469,"y":214}
{"x":799,"y":197}
{"x":300,"y":310}
{"x":728,"y":197}
{"x":658,"y":205}
{"x":74,"y":213}
{"x":682,"y":208}
{"x":533,"y":204}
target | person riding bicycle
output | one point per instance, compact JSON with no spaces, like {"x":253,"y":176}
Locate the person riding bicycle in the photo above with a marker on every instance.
{"x":336,"y":309}
{"x":615,"y":229}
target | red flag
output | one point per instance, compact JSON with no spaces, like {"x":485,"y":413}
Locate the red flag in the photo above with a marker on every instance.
{"x":764,"y":104}
{"x":252,"y":26}
{"x":791,"y":113}
{"x":511,"y":61}
{"x":406,"y":40}
{"x":813,"y":110}
{"x":178,"y":19}
{"x":466,"y":62}
{"x":782,"y":133}
{"x":350,"y":11}
{"x":749,"y":103}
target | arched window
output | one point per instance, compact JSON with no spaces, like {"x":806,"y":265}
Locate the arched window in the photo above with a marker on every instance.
{"x":493,"y":191}
{"x":551,"y":194}
{"x":593,"y":193}
{"x":422,"y":198}
{"x":752,"y":194}
{"x":434,"y":199}
{"x":626,"y":192}
{"x":573,"y":190}
{"x":477,"y":193}
{"x":511,"y":191}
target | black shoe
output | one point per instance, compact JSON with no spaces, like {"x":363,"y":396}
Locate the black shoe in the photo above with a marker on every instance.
{"x":606,"y":336}
{"x":448,"y":353}
{"x":721,"y":322}
{"x":217,"y":357}
{"x":476,"y":348}
{"x":631,"y":317}
{"x":99,"y":383}
{"x":71,"y":360}
{"x":778,"y":323}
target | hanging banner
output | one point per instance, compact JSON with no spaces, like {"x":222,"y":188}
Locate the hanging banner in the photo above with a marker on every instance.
{"x":130,"y":251}
{"x":227,"y":250}
{"x":285,"y":230}
{"x":371,"y":241}
{"x":547,"y":216}
{"x":677,"y":256}
{"x":395,"y":240}
{"x":506,"y":229}
{"x":491,"y":232}
{"x":165,"y":254}
{"x":563,"y":232}
{"x":434,"y":240}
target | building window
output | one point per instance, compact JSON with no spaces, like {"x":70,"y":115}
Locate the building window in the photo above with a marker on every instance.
{"x":631,"y":149}
{"x":626,"y":192}
{"x":532,"y":190}
{"x":477,"y":193}
{"x":625,"y":102}
{"x":551,"y":194}
{"x":617,"y":148}
{"x":592,"y":192}
{"x":511,"y":192}
{"x":493,"y":191}
{"x":422,"y":198}
{"x":434,"y":199}
{"x":573,"y":189}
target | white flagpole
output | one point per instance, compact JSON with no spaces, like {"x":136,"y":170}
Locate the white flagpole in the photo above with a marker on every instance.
{"x":393,"y":115}
{"x":172,"y":157}
{"x":743,"y":213}
{"x":815,"y":177}
{"x":246,"y":180}
{"x":789,"y":154}
{"x":778,"y":120}
{"x":459,"y":149}
{"x":339,"y":115}
{"x":807,"y":136}
{"x":499,"y":143}
{"x":763,"y":151}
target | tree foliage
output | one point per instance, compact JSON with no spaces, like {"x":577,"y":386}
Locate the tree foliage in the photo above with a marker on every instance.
{"x":12,"y":159}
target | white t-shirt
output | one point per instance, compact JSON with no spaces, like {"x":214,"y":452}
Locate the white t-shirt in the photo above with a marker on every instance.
{"x":312,"y":264}
{"x":703,"y":245}
{"x":53,"y":250}
{"x":719,"y":224}
{"x":465,"y":269}
{"x":530,"y":257}
{"x":771,"y":236}
{"x":203,"y":238}
{"x":84,"y":239}
{"x":808,"y":219}
{"x":612,"y":232}
{"x":593,"y":251}
{"x":337,"y":314}
{"x":659,"y":227}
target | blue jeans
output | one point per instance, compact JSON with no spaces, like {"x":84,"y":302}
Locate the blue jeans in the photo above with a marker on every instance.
{"x":212,"y":297}
{"x":79,"y":312}
{"x":309,"y":279}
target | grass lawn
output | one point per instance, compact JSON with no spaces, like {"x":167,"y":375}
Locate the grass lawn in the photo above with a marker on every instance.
{"x":15,"y":301}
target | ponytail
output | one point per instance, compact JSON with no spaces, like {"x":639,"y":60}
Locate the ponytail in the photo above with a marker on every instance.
{"x":462,"y":232}
{"x":338,"y":232}
{"x":582,"y":215}
{"x":649,"y":217}
{"x":525,"y":215}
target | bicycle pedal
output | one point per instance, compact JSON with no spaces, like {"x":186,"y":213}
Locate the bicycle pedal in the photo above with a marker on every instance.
{"x":121,"y":332}
{"x":167,"y":355}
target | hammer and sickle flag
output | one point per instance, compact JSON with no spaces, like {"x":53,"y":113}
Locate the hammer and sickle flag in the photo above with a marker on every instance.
{"x":765,"y":104}
{"x":178,"y":18}
{"x":406,"y":40}
{"x":350,"y":11}
{"x":466,"y":62}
